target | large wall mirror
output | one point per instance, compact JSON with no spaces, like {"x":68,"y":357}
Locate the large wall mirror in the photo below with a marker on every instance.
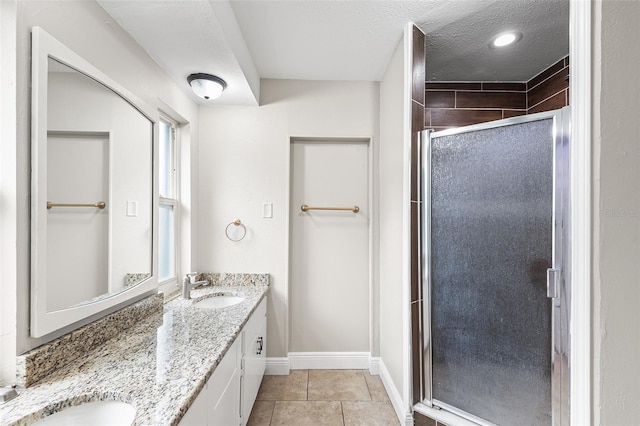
{"x":92,"y":204}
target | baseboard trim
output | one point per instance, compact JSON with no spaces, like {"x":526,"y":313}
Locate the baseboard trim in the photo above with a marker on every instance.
{"x":322,"y":361}
{"x":374,"y":366}
{"x":329,"y":360}
{"x":404,"y":416}
{"x":277,"y":367}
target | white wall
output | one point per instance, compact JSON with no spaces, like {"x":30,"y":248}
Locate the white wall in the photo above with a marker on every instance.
{"x":616,"y":214}
{"x":396,"y":108}
{"x":8,"y":196}
{"x":89,"y":31}
{"x":393,"y":203}
{"x":329,"y":254}
{"x":244,"y":162}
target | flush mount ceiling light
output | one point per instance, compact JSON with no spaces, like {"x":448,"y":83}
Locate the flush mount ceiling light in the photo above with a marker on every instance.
{"x":505,"y":39}
{"x":206,"y":86}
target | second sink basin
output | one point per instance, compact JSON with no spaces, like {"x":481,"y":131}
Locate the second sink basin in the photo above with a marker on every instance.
{"x":98,"y":413}
{"x":219,"y":301}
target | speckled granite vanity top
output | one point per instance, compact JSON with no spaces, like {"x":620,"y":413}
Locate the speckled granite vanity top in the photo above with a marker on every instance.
{"x":159,"y":365}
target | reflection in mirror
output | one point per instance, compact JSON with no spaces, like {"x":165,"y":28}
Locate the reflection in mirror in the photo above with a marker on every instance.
{"x":93,"y":205}
{"x":99,"y":192}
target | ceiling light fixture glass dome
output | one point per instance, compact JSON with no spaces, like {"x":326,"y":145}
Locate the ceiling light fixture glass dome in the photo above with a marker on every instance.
{"x":505,"y":39}
{"x":206,"y":86}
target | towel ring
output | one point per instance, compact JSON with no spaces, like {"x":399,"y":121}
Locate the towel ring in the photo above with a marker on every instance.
{"x":236,"y":222}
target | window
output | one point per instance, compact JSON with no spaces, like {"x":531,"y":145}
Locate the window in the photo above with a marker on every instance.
{"x":168,"y":188}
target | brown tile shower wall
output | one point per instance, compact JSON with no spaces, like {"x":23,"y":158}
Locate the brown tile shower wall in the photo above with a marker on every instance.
{"x":461,"y":104}
{"x":549,"y":90}
{"x":417,"y":125}
{"x":421,"y":420}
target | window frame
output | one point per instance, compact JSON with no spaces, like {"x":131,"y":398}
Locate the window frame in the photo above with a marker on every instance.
{"x":173,"y":198}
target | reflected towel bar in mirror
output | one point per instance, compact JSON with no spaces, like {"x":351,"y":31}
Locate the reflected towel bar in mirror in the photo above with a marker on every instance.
{"x":99,"y":204}
{"x":306,"y":208}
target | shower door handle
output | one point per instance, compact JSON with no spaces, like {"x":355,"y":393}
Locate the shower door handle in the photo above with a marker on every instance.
{"x":553,"y":283}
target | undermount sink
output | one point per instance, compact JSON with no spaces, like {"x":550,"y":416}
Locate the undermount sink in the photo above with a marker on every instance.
{"x":98,"y":413}
{"x":219,"y":301}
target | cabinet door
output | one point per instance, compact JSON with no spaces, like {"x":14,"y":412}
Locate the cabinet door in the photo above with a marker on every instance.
{"x":197,"y":413}
{"x":218,"y":403}
{"x":224,"y":390}
{"x":254,"y":359}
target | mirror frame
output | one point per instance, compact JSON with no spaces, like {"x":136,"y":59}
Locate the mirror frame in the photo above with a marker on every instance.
{"x":42,"y":322}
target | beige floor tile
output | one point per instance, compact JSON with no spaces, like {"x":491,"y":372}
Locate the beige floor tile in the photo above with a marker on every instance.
{"x":338,"y":385}
{"x":307,"y":413}
{"x":261,"y":413}
{"x":376,"y":388}
{"x":369,"y":413}
{"x":284,"y":388}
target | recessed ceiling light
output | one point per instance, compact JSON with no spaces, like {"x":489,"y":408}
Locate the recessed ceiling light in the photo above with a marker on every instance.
{"x":505,"y":39}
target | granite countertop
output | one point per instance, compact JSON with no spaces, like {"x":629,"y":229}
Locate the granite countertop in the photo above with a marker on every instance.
{"x":158,"y":365}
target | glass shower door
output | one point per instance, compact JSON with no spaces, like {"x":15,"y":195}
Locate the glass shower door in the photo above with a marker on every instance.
{"x":493,"y":226}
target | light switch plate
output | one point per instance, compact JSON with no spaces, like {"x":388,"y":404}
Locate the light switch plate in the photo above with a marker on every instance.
{"x":267,"y":210}
{"x":132,"y":208}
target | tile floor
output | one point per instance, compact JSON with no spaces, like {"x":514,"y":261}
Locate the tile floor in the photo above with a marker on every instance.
{"x":323,"y":397}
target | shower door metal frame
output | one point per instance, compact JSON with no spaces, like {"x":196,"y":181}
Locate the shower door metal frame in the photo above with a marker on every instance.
{"x":561,"y":300}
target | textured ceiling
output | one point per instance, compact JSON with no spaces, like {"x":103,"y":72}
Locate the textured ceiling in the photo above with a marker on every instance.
{"x":459,"y":50}
{"x":245,"y":40}
{"x":190,"y":36}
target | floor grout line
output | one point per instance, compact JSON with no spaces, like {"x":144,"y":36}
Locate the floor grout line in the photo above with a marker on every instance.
{"x":366,"y":382}
{"x":353,"y":403}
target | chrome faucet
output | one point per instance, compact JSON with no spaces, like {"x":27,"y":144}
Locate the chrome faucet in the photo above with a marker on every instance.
{"x":188,"y":283}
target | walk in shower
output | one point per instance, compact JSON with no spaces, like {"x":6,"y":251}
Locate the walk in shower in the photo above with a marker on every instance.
{"x":494,"y":245}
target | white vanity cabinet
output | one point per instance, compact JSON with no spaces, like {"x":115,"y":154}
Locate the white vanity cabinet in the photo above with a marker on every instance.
{"x":253,"y":358}
{"x":218,"y":403}
{"x":229,"y":394}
